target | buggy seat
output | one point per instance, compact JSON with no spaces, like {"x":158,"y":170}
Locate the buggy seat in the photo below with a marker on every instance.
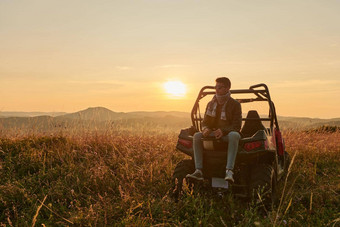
{"x":252,"y":124}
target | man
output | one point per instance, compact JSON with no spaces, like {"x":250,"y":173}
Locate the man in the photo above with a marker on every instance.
{"x":222,"y":119}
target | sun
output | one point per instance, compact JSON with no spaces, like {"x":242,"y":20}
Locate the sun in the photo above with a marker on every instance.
{"x":175,"y":88}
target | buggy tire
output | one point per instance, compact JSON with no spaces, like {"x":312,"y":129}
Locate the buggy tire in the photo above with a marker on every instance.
{"x":263,"y":186}
{"x":183,"y":168}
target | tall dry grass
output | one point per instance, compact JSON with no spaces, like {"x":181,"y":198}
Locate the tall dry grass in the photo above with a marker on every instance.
{"x":122,"y":176}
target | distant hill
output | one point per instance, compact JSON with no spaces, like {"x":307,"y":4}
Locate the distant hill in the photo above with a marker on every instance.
{"x":100,"y":117}
{"x":29,"y":114}
{"x":100,"y":113}
{"x":94,"y":113}
{"x":305,"y":122}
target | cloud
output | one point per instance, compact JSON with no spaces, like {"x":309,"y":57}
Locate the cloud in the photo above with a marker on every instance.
{"x":123,"y":67}
{"x":306,"y":83}
{"x":96,"y":85}
{"x":331,"y":63}
{"x":253,"y":62}
{"x":309,"y":88}
{"x":171,"y":66}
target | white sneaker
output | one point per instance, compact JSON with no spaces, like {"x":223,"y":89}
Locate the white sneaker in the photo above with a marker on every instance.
{"x":229,"y":176}
{"x":197,"y":175}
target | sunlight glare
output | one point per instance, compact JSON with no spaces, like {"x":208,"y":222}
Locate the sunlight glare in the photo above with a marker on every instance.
{"x":175,"y":88}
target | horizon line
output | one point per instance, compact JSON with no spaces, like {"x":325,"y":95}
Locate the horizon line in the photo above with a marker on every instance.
{"x":143,"y":111}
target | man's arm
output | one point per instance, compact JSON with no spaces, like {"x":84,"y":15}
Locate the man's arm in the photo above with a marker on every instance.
{"x":206,"y":123}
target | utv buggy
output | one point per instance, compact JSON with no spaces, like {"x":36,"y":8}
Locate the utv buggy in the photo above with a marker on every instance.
{"x":261,"y":159}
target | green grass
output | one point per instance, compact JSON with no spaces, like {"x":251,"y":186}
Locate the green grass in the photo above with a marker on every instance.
{"x":124,"y":178}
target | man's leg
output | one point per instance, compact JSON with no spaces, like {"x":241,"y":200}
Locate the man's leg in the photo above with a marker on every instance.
{"x":233,"y":139}
{"x":198,"y":156}
{"x":198,"y":150}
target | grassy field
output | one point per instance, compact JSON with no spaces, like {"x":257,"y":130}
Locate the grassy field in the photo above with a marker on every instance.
{"x":123,"y":177}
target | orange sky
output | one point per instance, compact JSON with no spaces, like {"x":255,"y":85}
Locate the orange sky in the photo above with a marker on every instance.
{"x":68,"y":55}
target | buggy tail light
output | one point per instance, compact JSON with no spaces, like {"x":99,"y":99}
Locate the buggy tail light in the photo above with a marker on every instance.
{"x":253,"y":145}
{"x":279,"y":142}
{"x":185,"y":143}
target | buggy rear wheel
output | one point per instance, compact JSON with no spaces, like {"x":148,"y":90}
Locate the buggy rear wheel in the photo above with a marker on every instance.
{"x":263,"y":186}
{"x":183,"y":168}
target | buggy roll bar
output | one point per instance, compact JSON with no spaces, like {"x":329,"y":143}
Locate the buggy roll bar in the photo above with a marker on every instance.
{"x":261,"y":95}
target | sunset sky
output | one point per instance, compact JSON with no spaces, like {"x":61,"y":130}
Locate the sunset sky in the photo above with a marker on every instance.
{"x":58,"y":55}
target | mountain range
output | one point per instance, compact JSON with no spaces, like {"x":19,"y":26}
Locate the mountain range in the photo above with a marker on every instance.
{"x":93,"y":117}
{"x":102,"y":117}
{"x":94,"y":112}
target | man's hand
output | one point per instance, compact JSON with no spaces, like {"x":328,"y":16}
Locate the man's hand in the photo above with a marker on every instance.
{"x":218,"y":133}
{"x":206,"y":132}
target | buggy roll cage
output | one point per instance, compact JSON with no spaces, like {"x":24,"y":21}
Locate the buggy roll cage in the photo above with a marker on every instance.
{"x":260,"y":90}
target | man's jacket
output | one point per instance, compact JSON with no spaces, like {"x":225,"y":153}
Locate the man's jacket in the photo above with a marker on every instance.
{"x":233,"y":120}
